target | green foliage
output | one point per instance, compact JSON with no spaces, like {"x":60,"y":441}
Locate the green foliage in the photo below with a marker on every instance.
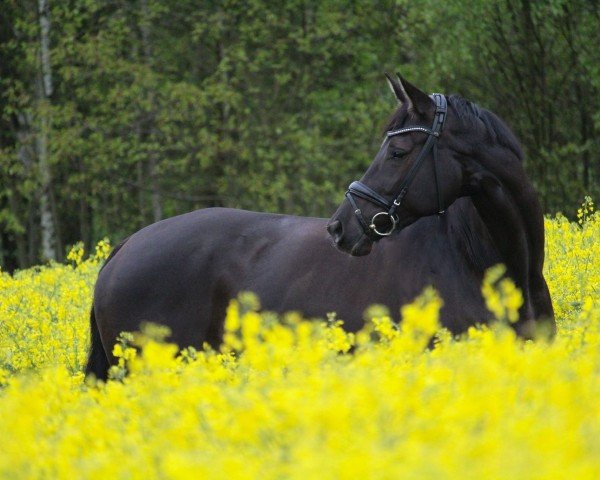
{"x":535,"y":64}
{"x":160,"y":108}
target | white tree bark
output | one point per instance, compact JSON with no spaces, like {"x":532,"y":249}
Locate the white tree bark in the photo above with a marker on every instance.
{"x":44,"y":91}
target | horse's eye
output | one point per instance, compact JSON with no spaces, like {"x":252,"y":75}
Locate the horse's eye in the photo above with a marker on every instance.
{"x":397,"y":154}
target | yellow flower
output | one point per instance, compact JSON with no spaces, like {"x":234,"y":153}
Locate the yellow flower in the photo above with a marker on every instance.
{"x":282,"y":399}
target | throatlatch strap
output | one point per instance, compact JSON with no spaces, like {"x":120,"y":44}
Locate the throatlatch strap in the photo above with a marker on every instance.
{"x":437,"y":182}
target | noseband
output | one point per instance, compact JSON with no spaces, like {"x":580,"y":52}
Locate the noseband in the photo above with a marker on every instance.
{"x":359,"y":189}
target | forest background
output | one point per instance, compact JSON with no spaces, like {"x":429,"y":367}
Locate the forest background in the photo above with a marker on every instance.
{"x":115,"y":114}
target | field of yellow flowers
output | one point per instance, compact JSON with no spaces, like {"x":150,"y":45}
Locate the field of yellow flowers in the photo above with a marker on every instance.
{"x":283,"y":399}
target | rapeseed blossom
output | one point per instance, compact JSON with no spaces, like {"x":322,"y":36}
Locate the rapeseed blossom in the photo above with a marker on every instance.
{"x":285,"y":398}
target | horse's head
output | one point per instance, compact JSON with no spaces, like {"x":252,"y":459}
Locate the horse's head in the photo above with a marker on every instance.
{"x":415,"y":173}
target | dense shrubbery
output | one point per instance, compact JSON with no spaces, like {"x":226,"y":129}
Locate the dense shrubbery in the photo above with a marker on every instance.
{"x":282,"y":400}
{"x":158,"y":107}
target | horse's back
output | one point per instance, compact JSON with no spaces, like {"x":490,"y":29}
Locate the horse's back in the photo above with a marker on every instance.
{"x":180,"y":270}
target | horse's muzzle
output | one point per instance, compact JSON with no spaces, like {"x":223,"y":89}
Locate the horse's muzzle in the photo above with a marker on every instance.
{"x":357,"y":249}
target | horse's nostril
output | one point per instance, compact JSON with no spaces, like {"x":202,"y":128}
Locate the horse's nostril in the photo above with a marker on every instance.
{"x":336,"y":230}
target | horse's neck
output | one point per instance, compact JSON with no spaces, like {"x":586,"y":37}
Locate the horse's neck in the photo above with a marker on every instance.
{"x":471,"y":235}
{"x":521,"y":196}
{"x":507,"y":204}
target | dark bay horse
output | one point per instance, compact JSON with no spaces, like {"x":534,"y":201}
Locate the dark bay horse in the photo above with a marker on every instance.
{"x":445,"y":198}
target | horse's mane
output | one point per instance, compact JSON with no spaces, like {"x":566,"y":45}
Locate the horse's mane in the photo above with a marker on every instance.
{"x":472,"y":116}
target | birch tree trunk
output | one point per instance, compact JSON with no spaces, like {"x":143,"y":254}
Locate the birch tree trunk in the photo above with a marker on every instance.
{"x":44,"y":91}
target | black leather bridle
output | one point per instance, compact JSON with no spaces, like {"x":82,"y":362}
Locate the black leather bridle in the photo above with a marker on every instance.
{"x":389,"y":217}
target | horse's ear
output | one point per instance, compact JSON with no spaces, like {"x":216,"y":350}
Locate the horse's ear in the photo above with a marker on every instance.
{"x":396,"y":88}
{"x":418,"y":101}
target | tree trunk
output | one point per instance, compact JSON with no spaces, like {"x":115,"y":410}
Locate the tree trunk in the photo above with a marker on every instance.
{"x":44,"y":91}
